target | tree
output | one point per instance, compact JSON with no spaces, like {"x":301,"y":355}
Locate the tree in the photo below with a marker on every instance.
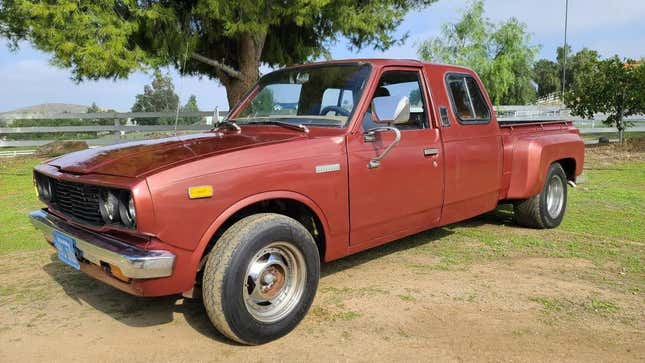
{"x":190,"y":106}
{"x":415,"y":97}
{"x":98,"y":121}
{"x":609,"y":86}
{"x":93,"y":108}
{"x":547,"y":75}
{"x":159,"y":96}
{"x":262,"y":105}
{"x":500,"y":53}
{"x":578,"y":64}
{"x":221,"y":39}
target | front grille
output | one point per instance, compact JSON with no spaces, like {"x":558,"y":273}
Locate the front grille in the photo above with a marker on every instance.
{"x":76,"y":200}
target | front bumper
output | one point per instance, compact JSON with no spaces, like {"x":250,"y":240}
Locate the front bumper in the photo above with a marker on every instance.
{"x":99,"y":249}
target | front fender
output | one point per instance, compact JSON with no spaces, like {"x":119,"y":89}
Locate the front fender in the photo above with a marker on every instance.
{"x":239,"y":205}
{"x":532,"y":157}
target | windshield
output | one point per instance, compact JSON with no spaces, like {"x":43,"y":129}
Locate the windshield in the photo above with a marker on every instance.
{"x":316,"y":95}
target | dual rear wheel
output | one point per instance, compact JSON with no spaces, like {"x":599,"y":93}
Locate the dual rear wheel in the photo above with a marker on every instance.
{"x":545,"y":209}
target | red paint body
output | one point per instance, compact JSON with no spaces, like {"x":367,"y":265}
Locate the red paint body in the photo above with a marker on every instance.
{"x":358,"y":208}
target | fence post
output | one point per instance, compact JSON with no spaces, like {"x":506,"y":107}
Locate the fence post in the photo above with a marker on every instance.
{"x":117,"y":129}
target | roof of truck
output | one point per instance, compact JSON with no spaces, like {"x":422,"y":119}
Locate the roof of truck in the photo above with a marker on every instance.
{"x":388,"y":62}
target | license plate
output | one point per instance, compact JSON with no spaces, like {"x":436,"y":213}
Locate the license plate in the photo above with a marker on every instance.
{"x":66,"y":247}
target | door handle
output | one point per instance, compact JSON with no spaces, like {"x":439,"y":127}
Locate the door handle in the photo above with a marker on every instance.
{"x":430,"y":152}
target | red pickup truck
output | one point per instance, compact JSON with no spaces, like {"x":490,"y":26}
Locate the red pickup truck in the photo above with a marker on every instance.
{"x":318,"y":162}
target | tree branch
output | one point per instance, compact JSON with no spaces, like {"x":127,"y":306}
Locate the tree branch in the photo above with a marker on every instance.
{"x":230,"y":71}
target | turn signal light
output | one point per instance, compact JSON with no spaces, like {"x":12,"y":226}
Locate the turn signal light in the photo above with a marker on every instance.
{"x":202,"y":191}
{"x":117,"y":273}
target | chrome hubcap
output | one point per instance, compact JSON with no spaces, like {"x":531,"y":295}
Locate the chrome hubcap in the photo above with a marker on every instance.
{"x":275,"y":282}
{"x":555,"y":196}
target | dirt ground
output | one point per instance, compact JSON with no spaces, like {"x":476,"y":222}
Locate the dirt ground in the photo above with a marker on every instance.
{"x":393,"y":303}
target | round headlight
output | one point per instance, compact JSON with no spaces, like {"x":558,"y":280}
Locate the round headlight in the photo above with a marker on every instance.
{"x":109,"y":206}
{"x":126,"y":210}
{"x":131,"y":209}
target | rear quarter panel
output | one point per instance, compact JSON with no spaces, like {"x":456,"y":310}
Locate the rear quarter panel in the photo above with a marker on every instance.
{"x":530,"y":155}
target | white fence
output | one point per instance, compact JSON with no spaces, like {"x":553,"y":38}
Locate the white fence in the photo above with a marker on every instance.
{"x":120,"y":133}
{"x":113,"y":133}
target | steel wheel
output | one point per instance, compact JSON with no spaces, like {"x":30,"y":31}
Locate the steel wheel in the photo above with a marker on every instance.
{"x":555,"y":196}
{"x":545,"y":209}
{"x":275,"y":281}
{"x":260,"y":278}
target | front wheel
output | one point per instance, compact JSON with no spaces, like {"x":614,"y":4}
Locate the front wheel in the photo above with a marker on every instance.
{"x":546,"y":209}
{"x":261,"y":278}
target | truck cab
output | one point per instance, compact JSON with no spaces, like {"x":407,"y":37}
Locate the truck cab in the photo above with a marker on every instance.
{"x":317,"y":162}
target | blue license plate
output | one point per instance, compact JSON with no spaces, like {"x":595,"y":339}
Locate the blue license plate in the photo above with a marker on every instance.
{"x":66,"y":247}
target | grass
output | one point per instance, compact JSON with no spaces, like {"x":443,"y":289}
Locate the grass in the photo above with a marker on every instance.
{"x":17,"y":199}
{"x":17,"y":148}
{"x":614,"y":135}
{"x":563,"y":307}
{"x":602,"y":224}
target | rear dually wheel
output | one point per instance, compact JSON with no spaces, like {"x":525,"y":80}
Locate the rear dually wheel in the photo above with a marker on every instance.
{"x":545,"y":209}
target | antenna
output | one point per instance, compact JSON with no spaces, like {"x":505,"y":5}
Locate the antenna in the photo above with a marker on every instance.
{"x":181,"y":86}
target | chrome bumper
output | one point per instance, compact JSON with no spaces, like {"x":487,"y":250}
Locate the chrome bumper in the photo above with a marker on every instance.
{"x":134,"y":262}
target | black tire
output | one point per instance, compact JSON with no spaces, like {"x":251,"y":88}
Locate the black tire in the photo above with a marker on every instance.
{"x":227,"y":283}
{"x":534,"y":212}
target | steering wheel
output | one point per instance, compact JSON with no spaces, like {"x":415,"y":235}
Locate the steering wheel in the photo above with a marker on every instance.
{"x":337,"y":109}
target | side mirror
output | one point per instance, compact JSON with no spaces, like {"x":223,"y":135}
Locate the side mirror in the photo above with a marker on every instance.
{"x":391,"y":109}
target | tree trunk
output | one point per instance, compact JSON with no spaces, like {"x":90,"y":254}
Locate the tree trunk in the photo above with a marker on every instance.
{"x":237,"y":88}
{"x":620,"y":125}
{"x":250,"y":53}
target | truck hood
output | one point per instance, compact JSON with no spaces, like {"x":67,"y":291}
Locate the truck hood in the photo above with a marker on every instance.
{"x":135,"y":159}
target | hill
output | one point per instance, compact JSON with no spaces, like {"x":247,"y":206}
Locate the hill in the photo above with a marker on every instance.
{"x":47,"y":108}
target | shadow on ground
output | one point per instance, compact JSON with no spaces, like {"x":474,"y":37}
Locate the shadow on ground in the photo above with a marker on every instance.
{"x":145,"y":312}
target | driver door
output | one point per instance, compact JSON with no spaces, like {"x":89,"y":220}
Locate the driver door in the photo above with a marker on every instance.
{"x":404,"y":194}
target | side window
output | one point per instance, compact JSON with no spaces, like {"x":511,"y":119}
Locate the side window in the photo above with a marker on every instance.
{"x":400,"y":84}
{"x":467,"y":100}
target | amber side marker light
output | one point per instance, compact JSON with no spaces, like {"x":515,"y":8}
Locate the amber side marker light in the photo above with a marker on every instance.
{"x":202,"y":191}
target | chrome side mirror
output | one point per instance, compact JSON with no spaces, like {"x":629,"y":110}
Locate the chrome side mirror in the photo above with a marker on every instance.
{"x":391,"y":109}
{"x":370,"y":136}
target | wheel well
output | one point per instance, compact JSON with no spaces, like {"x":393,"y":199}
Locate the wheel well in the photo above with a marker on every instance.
{"x":288,"y":207}
{"x":569,"y":167}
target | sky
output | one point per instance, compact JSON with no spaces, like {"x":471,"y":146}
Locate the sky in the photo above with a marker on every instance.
{"x":611,"y":27}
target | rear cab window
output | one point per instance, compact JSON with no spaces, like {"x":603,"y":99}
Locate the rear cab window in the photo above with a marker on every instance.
{"x":468,"y":103}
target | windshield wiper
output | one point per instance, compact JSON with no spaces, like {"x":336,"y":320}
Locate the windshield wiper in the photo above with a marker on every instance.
{"x":299,"y":127}
{"x":227,"y":123}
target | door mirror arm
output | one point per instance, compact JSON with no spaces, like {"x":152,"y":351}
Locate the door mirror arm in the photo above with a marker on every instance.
{"x":370,"y":136}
